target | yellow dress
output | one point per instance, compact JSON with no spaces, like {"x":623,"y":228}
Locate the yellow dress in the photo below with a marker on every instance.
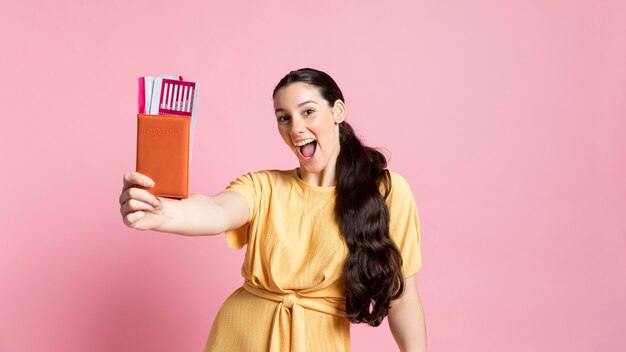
{"x":292,"y":298}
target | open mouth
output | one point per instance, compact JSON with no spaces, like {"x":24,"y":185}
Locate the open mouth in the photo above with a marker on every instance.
{"x":307,"y":148}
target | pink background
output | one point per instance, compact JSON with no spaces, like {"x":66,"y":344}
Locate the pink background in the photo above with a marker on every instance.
{"x":508,"y":119}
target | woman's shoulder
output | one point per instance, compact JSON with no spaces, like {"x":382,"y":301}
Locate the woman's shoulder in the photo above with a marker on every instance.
{"x":398,"y":180}
{"x":270,"y":176}
{"x":399,"y":186}
{"x":396,"y":176}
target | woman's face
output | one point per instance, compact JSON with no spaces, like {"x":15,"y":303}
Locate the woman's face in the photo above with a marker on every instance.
{"x":309,"y":126}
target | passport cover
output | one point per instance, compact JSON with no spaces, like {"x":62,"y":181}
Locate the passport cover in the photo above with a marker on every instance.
{"x":163,"y":153}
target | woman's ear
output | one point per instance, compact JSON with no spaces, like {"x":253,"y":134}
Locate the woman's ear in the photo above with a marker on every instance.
{"x":339,"y":111}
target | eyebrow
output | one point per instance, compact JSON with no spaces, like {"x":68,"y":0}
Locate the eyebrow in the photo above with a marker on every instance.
{"x":299,"y":105}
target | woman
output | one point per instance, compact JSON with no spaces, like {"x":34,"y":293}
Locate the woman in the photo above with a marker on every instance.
{"x":333,"y":241}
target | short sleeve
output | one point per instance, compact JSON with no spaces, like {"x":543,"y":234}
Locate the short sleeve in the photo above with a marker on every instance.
{"x":246,"y":186}
{"x":404,"y":226}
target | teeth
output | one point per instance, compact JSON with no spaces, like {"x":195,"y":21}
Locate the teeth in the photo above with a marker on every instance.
{"x":303,"y":142}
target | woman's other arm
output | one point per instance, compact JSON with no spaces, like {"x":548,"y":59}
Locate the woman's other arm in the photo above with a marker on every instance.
{"x":406,"y":319}
{"x":196,"y":215}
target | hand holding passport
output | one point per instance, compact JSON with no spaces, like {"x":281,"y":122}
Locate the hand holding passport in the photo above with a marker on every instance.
{"x":165,"y":125}
{"x":140,"y":209}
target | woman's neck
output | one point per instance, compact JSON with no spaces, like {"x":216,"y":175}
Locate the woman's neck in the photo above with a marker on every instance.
{"x":325,"y":178}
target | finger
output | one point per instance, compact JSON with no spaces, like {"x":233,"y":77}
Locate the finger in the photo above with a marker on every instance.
{"x":133,"y":178}
{"x":148,"y":222}
{"x":141,"y":221}
{"x":138,"y":199}
{"x":133,"y":205}
{"x":132,"y":218}
{"x":140,"y":195}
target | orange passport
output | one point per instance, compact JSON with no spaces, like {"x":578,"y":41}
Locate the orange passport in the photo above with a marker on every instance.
{"x":163,"y":153}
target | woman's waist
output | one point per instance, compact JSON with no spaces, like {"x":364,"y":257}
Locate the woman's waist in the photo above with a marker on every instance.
{"x":323,"y":300}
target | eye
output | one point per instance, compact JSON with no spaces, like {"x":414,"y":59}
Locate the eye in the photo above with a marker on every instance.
{"x":282,"y":118}
{"x":308,"y":112}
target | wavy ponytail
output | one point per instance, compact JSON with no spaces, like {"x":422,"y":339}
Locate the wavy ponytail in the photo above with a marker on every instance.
{"x":373,"y":268}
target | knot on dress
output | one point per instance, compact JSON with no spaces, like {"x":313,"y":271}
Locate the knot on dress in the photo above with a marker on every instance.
{"x":289,"y":300}
{"x":288,"y":332}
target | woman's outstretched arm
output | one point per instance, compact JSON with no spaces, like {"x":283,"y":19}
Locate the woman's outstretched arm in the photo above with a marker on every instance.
{"x":406,"y":319}
{"x":196,"y":215}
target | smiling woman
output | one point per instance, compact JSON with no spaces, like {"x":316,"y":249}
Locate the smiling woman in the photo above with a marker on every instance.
{"x":309,"y":125}
{"x":333,"y":241}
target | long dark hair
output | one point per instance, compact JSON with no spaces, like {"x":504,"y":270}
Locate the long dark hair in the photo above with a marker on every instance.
{"x":373,"y":269}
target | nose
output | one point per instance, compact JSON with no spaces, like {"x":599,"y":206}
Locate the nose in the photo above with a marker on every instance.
{"x":297,"y":126}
